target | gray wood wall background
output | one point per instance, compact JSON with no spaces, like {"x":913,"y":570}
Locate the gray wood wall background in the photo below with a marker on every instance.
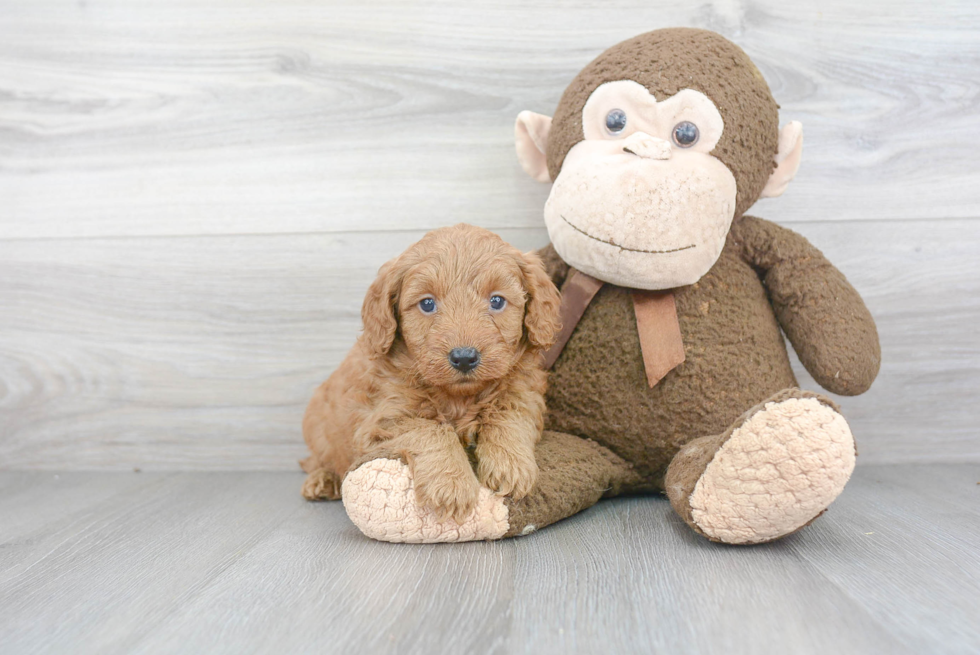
{"x":195,"y":194}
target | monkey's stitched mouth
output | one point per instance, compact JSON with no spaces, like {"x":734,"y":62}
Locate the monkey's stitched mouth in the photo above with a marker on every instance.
{"x":614,"y":245}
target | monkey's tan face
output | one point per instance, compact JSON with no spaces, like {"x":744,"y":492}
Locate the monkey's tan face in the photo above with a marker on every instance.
{"x":641,"y":202}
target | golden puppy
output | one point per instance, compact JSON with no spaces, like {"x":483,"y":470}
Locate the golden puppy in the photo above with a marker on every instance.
{"x":449,"y":360}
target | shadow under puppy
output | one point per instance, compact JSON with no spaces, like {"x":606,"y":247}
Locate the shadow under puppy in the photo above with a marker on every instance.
{"x":450,"y":359}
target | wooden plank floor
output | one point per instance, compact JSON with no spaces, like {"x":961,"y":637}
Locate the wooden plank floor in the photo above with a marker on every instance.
{"x":237,"y":562}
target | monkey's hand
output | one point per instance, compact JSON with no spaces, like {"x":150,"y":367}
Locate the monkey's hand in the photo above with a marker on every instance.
{"x":443,"y":478}
{"x":823,"y":316}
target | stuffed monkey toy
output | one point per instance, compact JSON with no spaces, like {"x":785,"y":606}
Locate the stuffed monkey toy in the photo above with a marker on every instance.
{"x":671,"y":373}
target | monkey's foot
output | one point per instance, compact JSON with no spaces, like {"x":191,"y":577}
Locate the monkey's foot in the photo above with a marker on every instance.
{"x":770,"y":474}
{"x":379,"y":497}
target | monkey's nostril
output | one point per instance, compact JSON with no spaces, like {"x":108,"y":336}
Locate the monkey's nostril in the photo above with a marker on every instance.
{"x":464,"y":359}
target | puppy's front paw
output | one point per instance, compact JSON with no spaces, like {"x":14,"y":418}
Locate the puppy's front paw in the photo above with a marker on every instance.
{"x":505,"y":471}
{"x":451,"y":494}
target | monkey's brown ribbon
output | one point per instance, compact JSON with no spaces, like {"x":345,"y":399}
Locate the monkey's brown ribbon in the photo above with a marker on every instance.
{"x":656,"y":323}
{"x":576,"y":293}
{"x":660,"y":333}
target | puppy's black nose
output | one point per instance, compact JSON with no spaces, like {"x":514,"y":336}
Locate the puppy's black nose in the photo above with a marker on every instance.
{"x":464,"y":359}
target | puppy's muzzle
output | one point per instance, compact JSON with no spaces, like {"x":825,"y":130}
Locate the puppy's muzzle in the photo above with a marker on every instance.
{"x":464,"y":360}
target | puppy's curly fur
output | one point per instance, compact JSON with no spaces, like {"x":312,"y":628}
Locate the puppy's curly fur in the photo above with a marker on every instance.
{"x":397,"y":394}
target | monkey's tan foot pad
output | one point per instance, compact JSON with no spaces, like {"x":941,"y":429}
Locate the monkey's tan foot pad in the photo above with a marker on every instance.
{"x":380,"y":499}
{"x":778,"y":471}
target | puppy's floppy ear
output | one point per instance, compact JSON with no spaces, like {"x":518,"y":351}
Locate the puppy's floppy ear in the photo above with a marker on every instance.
{"x":378,"y":311}
{"x":541,"y":312}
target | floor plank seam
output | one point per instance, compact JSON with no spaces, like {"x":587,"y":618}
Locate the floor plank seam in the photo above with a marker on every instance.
{"x":213,"y":577}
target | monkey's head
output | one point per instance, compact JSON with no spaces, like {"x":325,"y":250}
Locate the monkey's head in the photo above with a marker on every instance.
{"x":655,"y":148}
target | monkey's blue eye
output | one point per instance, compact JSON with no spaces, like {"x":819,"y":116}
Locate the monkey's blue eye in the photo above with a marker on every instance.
{"x":497,"y":303}
{"x":686,"y":134}
{"x":616,"y":121}
{"x":427,"y":305}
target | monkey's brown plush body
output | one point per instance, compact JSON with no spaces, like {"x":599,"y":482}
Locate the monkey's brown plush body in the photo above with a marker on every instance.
{"x":736,"y":360}
{"x":656,"y":150}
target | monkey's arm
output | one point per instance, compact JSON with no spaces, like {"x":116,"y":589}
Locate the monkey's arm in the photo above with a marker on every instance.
{"x":821,"y":313}
{"x":555,"y":266}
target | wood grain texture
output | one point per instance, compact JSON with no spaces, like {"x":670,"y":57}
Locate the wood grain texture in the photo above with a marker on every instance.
{"x":238,"y":562}
{"x":196,"y":194}
{"x":201,"y":353}
{"x":232,"y":117}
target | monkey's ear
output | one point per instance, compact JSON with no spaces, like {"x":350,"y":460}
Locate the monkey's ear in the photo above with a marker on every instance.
{"x":531,"y":135}
{"x":787,"y":159}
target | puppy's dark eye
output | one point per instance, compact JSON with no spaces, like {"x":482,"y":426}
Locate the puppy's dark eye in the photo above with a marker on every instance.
{"x":685,"y":134}
{"x":427,"y":305}
{"x":616,"y":121}
{"x":497,"y":303}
